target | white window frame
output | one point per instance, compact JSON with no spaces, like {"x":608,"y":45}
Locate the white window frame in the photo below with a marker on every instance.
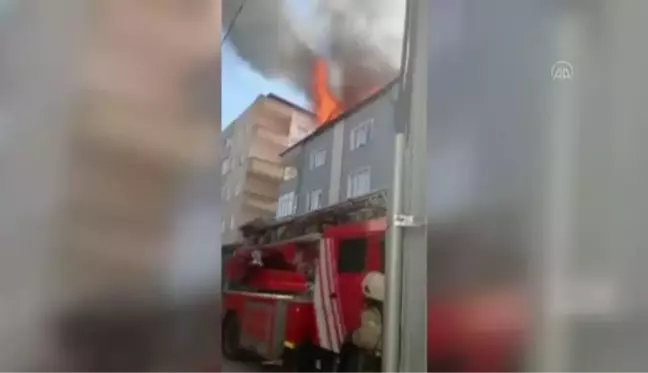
{"x":360,"y":134}
{"x":289,"y":173}
{"x":310,"y":198}
{"x":314,"y":159}
{"x":286,"y":205}
{"x":351,"y":188}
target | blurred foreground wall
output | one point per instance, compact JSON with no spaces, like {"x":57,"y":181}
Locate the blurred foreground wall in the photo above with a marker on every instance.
{"x":541,"y":181}
{"x":109,"y":127}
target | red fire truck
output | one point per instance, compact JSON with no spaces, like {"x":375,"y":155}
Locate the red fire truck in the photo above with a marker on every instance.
{"x":294,"y":294}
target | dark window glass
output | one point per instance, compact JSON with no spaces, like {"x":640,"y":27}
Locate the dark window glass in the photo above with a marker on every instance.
{"x":351,"y":258}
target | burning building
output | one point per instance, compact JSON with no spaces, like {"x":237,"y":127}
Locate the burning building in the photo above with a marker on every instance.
{"x":346,"y":157}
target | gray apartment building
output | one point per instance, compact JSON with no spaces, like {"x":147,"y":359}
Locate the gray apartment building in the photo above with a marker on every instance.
{"x":348,"y":157}
{"x":251,"y":163}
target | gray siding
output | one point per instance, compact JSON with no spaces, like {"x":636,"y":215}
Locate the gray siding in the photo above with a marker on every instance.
{"x":318,"y":178}
{"x":288,"y":186}
{"x":337,"y":158}
{"x":341,"y":161}
{"x":293,"y":159}
{"x":378,"y":153}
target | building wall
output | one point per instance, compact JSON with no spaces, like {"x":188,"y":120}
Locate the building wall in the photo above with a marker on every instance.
{"x":378,"y":153}
{"x":309,"y":179}
{"x":262,"y":132}
{"x":238,"y":134}
{"x":341,"y":161}
{"x":292,"y":160}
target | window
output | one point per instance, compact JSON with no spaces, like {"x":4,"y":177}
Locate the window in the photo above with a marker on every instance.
{"x":317,"y":158}
{"x":222,"y":225}
{"x":286,"y":205}
{"x":314,"y":200}
{"x":360,"y":134}
{"x":359,"y":183}
{"x":351,"y":257}
{"x":225,"y":168}
{"x":224,"y":193}
{"x":243,"y":158}
{"x":239,"y":187}
{"x":232,"y":223}
{"x":289,"y":173}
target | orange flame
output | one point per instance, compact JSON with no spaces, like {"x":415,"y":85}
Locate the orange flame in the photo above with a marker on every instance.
{"x":327,"y":106}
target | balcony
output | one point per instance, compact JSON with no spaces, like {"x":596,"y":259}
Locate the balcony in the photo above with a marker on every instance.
{"x":276,"y":114}
{"x":261,"y":204}
{"x":272,"y":136}
{"x":266,"y":169}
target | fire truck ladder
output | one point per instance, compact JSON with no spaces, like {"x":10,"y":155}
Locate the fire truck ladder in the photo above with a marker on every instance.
{"x":263,"y":231}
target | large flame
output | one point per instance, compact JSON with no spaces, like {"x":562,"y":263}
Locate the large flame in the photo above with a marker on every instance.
{"x":326,"y":105}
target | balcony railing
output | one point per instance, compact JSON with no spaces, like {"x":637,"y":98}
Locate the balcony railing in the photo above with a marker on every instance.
{"x":260,"y":204}
{"x":276,"y":138}
{"x":267,"y":169}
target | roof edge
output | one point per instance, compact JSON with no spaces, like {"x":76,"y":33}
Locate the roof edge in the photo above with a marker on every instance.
{"x":324,"y":126}
{"x":284,"y":101}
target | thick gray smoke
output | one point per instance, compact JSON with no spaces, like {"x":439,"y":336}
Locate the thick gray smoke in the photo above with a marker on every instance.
{"x":361,"y":39}
{"x":262,"y":35}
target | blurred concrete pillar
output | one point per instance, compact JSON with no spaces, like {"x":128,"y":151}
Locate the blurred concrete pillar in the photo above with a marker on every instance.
{"x":39,"y":62}
{"x":99,"y":139}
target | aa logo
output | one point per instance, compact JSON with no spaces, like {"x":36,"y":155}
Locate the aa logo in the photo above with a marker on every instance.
{"x":562,"y":70}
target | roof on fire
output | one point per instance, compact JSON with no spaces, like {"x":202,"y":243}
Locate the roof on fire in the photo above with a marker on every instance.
{"x":324,"y":126}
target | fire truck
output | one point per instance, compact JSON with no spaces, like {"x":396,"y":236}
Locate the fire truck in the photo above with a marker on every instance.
{"x":305,"y":292}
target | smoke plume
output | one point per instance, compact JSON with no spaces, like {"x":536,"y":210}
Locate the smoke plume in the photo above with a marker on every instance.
{"x":361,"y":40}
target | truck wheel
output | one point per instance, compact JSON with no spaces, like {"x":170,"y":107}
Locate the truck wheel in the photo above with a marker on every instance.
{"x":447,"y":364}
{"x":299,"y":359}
{"x":515,"y":363}
{"x":355,"y":359}
{"x":230,"y":334}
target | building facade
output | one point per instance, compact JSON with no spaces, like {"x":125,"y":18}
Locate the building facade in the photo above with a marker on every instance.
{"x":251,"y":163}
{"x":349,"y":157}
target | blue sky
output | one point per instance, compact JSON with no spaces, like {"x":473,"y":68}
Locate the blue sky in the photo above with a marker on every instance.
{"x":240,"y":85}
